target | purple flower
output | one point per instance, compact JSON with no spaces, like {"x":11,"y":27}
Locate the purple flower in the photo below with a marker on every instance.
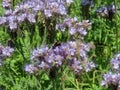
{"x":48,"y":13}
{"x":4,"y":53}
{"x":22,"y":17}
{"x":12,"y":22}
{"x":73,"y":30}
{"x":31,"y":9}
{"x":7,"y":51}
{"x":6,"y":4}
{"x":82,"y":31}
{"x":39,"y":52}
{"x":74,"y":26}
{"x":40,"y":6}
{"x":8,"y":12}
{"x":69,"y":53}
{"x":75,"y":65}
{"x":3,"y":20}
{"x":13,"y":25}
{"x":89,"y":66}
{"x":31,"y":68}
{"x":60,"y":50}
{"x":113,"y":78}
{"x":43,"y":65}
{"x":31,"y":18}
{"x":107,"y":11}
{"x":60,"y":26}
{"x":58,"y":60}
{"x":62,"y":9}
{"x":115,"y":62}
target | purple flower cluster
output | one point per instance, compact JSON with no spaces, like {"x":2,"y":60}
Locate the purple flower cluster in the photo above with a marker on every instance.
{"x":31,"y":68}
{"x":5,"y":52}
{"x":107,"y":12}
{"x":113,"y":78}
{"x":72,"y":54}
{"x":30,"y":9}
{"x":74,"y":26}
{"x":6,"y":4}
{"x":115,"y":62}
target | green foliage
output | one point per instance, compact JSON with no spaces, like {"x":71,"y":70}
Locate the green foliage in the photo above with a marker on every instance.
{"x":105,"y":34}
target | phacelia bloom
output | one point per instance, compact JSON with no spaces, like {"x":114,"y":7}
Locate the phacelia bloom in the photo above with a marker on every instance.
{"x":74,"y":27}
{"x":31,"y":18}
{"x":69,"y":53}
{"x":7,"y":51}
{"x":89,"y":66}
{"x":39,"y":52}
{"x":113,"y":77}
{"x":31,"y":68}
{"x":23,"y":17}
{"x":76,"y":65}
{"x":106,"y":11}
{"x":28,"y":11}
{"x":62,"y":10}
{"x":7,"y":4}
{"x":43,"y":65}
{"x":3,"y":20}
{"x":48,"y":13}
{"x":115,"y":62}
{"x":8,"y":12}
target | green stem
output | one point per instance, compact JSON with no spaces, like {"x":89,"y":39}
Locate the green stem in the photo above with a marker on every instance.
{"x":45,"y":36}
{"x":116,"y":29}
